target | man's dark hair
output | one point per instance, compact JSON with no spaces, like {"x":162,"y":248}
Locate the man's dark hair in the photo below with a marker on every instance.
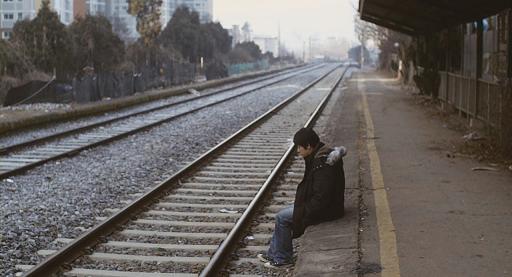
{"x":305,"y":137}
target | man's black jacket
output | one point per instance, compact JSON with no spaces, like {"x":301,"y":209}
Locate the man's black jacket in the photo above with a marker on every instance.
{"x":320,"y":195}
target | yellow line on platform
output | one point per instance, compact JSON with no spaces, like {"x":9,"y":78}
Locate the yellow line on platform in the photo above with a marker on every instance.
{"x":387,"y":237}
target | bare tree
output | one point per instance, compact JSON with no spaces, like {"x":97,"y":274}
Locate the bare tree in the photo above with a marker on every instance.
{"x":366,"y":31}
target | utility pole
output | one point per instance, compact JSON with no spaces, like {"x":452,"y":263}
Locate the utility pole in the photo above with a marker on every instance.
{"x":304,"y":51}
{"x":362,"y":55}
{"x":363,"y":47}
{"x":279,"y":38}
{"x":310,"y":48}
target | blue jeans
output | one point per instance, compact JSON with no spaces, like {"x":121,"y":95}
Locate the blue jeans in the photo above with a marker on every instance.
{"x":281,"y":248}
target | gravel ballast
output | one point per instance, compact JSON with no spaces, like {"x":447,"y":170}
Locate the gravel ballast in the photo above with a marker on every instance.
{"x":62,"y":198}
{"x":14,"y":120}
{"x":23,"y":135}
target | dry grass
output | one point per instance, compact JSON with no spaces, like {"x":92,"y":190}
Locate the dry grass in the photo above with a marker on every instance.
{"x":505,"y":137}
{"x":481,"y":143}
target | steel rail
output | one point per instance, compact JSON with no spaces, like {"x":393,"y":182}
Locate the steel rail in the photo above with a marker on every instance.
{"x":139,"y":129}
{"x":82,"y":244}
{"x":221,"y":254}
{"x":11,"y":148}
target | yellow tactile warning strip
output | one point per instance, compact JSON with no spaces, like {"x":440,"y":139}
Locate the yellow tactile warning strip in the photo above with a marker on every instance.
{"x":387,"y":237}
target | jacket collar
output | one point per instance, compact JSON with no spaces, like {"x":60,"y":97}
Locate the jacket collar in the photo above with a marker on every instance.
{"x":330,"y":155}
{"x":315,"y":153}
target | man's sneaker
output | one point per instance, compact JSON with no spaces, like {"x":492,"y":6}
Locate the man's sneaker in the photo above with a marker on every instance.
{"x":264,"y":258}
{"x":275,"y":265}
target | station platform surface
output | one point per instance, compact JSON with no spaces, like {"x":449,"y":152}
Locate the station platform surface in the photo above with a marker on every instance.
{"x":411,"y":209}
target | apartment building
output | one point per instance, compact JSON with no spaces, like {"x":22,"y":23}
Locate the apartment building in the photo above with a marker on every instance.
{"x":115,"y":10}
{"x":96,"y":7}
{"x":268,"y":44}
{"x":117,"y":13}
{"x":203,"y":7}
{"x":12,"y":11}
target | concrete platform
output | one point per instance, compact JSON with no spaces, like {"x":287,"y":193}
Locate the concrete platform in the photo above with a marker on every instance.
{"x":411,"y":209}
{"x":331,"y":248}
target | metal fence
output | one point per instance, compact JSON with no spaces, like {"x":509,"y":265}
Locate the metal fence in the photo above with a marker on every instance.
{"x":480,"y":98}
{"x":114,"y":84}
{"x":90,"y":88}
{"x":246,"y":67}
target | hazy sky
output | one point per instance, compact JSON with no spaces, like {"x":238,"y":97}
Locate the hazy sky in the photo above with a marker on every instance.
{"x":299,"y":19}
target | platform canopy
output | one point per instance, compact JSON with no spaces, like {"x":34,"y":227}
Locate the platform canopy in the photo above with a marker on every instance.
{"x":425,"y":16}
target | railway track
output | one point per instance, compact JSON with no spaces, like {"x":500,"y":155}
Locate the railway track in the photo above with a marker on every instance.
{"x":190,"y":223}
{"x":22,"y":156}
{"x":15,"y":140}
{"x":243,"y":259}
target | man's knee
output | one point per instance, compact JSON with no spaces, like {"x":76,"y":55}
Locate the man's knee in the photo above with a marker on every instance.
{"x":279,"y":216}
{"x":284,"y":215}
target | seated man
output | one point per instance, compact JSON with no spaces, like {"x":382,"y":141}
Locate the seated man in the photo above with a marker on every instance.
{"x":319,"y":197}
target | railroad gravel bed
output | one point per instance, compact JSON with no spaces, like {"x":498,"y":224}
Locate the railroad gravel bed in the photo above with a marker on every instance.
{"x":48,"y":129}
{"x":148,"y":266}
{"x":44,"y":107}
{"x":155,"y":252}
{"x":62,"y":198}
{"x":285,"y":186}
{"x":166,"y":240}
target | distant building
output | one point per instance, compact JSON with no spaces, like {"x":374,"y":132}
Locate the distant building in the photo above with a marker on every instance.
{"x":91,"y":7}
{"x":268,"y":44}
{"x":165,"y":12}
{"x":203,"y":7}
{"x":236,"y":35}
{"x":239,"y":35}
{"x":64,"y":9}
{"x":12,"y":11}
{"x":96,"y":7}
{"x":123,"y":23}
{"x":246,"y":32}
{"x":116,"y":11}
{"x":79,"y":8}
